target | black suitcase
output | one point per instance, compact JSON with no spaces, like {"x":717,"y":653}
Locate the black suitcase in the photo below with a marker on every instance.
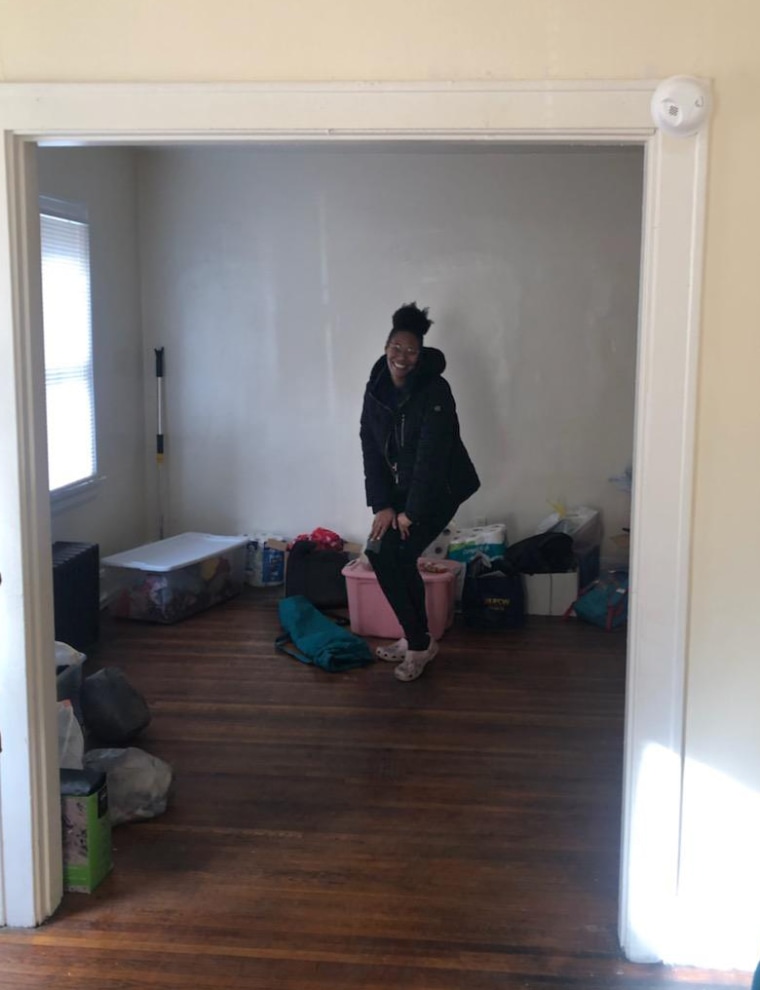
{"x":316,"y":574}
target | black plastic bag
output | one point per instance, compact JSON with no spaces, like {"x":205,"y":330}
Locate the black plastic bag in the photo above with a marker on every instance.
{"x":113,"y":710}
{"x":493,"y":595}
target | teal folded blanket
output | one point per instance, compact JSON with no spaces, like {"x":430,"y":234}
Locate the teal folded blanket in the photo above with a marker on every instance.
{"x":316,"y":639}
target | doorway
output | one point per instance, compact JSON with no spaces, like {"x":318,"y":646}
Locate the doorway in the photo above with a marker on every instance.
{"x":667,"y":351}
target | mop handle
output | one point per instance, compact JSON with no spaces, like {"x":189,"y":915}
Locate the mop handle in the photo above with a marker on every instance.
{"x":160,"y":405}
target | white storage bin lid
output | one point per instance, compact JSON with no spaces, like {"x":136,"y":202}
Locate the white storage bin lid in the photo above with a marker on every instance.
{"x":175,"y":552}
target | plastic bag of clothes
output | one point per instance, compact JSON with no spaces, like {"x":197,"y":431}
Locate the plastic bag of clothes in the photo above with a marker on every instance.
{"x":138,"y":783}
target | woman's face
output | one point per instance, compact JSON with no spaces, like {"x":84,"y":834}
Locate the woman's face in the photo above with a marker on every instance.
{"x":403,"y":353}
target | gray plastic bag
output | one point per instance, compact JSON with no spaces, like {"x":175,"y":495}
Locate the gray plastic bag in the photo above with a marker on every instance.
{"x":138,"y":783}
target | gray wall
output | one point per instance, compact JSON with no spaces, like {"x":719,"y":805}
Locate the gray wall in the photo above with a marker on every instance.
{"x":270,"y":276}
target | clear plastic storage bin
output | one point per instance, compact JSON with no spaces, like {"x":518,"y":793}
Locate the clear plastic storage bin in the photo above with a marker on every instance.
{"x":171,"y":579}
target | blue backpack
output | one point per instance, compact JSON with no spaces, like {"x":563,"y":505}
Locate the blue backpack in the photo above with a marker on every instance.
{"x":604,"y":602}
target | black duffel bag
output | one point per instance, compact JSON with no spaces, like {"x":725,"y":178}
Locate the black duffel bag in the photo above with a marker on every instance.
{"x":317,"y":575}
{"x":545,"y":553}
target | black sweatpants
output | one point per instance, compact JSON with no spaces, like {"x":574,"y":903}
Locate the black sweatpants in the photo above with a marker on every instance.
{"x":396,"y":567}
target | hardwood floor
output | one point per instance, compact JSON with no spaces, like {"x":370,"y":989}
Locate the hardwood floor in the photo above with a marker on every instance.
{"x":349,"y":831}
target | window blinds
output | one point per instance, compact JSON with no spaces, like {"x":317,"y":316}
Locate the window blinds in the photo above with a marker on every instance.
{"x":68,"y":350}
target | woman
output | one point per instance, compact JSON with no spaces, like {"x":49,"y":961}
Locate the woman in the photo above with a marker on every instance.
{"x":417,"y":474}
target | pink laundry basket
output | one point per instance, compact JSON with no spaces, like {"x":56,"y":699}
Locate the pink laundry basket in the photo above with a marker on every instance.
{"x":370,"y":613}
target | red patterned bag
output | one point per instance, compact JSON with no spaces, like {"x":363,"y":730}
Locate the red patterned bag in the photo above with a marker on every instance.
{"x":325,"y":539}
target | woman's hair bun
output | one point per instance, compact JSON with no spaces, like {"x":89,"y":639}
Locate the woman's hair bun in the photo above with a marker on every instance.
{"x":411,"y":318}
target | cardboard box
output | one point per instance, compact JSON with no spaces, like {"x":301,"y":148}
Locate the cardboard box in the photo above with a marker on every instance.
{"x":86,"y":829}
{"x":550,"y":594}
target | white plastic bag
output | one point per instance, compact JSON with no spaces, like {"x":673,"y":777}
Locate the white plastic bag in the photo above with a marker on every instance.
{"x":580,"y":522}
{"x":70,"y":738}
{"x":67,"y":656}
{"x":69,"y":664}
{"x":138,"y":783}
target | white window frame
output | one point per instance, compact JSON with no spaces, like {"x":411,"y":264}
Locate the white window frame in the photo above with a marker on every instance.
{"x":63,"y":495}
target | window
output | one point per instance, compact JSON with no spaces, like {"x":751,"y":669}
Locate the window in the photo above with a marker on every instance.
{"x":65,"y":238}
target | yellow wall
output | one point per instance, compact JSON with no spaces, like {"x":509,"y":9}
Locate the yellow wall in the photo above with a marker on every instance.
{"x":238,"y":40}
{"x":197,"y":40}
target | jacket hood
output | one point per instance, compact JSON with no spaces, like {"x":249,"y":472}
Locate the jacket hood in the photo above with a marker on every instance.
{"x":432,"y":364}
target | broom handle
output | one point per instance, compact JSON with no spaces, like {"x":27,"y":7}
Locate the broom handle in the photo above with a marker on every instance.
{"x":160,"y":433}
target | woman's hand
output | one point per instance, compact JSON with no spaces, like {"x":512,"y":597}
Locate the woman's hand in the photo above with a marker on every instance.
{"x":382,"y":522}
{"x":403,"y":523}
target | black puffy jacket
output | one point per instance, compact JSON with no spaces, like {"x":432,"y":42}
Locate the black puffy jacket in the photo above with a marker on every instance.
{"x":413,"y":455}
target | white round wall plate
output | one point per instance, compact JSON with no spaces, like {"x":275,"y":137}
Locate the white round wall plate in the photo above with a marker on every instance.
{"x":680,"y":105}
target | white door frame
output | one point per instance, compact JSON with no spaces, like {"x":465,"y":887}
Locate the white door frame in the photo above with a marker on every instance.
{"x":674,"y":198}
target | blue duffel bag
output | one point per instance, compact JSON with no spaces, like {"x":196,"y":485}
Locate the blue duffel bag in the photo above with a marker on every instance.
{"x":604,"y":602}
{"x":316,"y":639}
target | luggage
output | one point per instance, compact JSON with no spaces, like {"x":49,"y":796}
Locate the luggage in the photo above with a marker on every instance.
{"x":317,"y":574}
{"x":545,"y":553}
{"x":604,"y":602}
{"x":316,"y":640}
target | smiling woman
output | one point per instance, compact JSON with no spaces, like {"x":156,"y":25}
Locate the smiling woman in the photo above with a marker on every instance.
{"x":417,"y":474}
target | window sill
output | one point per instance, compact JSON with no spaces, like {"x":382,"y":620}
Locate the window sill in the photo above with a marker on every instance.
{"x":74,"y":495}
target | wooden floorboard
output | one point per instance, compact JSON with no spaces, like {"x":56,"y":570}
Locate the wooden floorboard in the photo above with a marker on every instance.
{"x":349,"y":831}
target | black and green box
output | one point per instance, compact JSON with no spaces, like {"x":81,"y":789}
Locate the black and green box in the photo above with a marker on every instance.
{"x":86,"y":829}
